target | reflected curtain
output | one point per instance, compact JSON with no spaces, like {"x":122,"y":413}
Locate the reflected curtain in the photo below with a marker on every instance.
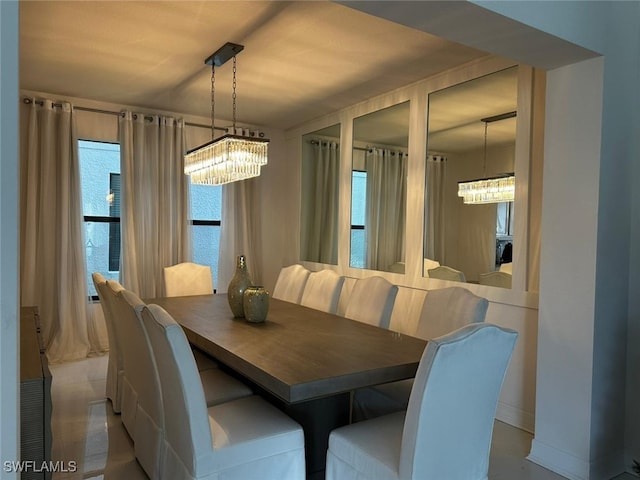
{"x":52,"y":254}
{"x":239,"y":231}
{"x":434,"y":221}
{"x":322,"y":220}
{"x":385,"y":207}
{"x":154,"y":216}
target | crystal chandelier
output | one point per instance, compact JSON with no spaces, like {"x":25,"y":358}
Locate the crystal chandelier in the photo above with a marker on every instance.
{"x":231,"y":157}
{"x":496,"y":189}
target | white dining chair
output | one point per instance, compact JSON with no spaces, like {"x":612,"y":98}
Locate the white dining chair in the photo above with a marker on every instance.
{"x":371,"y":301}
{"x":443,"y":311}
{"x":446,"y":430}
{"x":113,"y":388}
{"x":446,"y":273}
{"x":141,"y":397}
{"x":322,"y":291}
{"x":428,"y":264}
{"x":290,"y":283}
{"x":141,"y":409}
{"x":187,"y":278}
{"x":242,"y":439}
{"x":496,"y":279}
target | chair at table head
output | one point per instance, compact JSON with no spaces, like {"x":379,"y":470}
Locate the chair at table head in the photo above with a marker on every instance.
{"x":187,"y":279}
{"x":322,"y":291}
{"x":290,"y":284}
{"x":447,"y":309}
{"x":371,"y":301}
{"x":446,"y":273}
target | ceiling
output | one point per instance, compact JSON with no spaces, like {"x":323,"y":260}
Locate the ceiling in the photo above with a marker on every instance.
{"x":302,"y":60}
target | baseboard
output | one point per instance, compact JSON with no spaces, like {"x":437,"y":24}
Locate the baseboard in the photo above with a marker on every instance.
{"x":575,"y":468}
{"x":515,"y":417}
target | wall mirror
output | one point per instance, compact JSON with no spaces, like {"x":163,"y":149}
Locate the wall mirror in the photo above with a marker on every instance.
{"x":379,"y":189}
{"x":319,"y":184}
{"x":471,"y":135}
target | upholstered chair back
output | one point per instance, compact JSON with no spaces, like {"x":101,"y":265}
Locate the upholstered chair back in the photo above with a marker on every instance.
{"x":446,"y":273}
{"x":115,"y":363}
{"x":187,"y":279}
{"x":449,"y":422}
{"x":496,"y":279}
{"x":187,"y":432}
{"x":141,"y":397}
{"x":290,"y":284}
{"x":447,"y":309}
{"x":322,"y":291}
{"x":371,"y":301}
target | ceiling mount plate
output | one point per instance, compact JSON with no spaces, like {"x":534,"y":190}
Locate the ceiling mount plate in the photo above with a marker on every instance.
{"x":224,"y":53}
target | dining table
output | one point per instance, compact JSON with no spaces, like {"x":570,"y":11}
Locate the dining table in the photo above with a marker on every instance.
{"x":305,"y":361}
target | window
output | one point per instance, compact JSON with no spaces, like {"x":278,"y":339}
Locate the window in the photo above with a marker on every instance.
{"x":358,"y":204}
{"x":504,"y":223}
{"x":100,"y":186}
{"x":206,"y":212}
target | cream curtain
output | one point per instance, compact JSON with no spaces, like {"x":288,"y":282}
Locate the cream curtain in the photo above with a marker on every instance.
{"x":154,"y":209}
{"x":239,"y":231}
{"x":322,"y":221}
{"x":52,"y":254}
{"x":434,"y":209}
{"x":386,"y":206}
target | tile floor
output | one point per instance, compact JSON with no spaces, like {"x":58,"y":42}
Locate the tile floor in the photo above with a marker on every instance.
{"x":87,"y":432}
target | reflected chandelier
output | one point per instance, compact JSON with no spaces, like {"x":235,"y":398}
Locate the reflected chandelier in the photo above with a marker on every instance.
{"x":231,"y":157}
{"x":496,"y":189}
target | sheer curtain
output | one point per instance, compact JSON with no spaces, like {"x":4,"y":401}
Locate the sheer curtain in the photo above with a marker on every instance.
{"x":323,"y":219}
{"x":154,"y":216}
{"x":239,"y":231}
{"x":386,"y":206}
{"x":52,"y":254}
{"x":434,"y":211}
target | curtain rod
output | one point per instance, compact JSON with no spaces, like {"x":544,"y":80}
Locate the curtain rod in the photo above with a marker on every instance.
{"x":364,"y":149}
{"x":28,"y":100}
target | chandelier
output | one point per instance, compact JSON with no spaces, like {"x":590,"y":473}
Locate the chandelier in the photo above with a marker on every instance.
{"x":496,"y":189}
{"x":233,"y":156}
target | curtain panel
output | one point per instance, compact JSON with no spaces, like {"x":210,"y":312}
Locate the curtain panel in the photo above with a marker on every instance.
{"x":52,"y":263}
{"x":434,"y":211}
{"x":239,"y":231}
{"x":154,"y":220}
{"x":386,"y":208}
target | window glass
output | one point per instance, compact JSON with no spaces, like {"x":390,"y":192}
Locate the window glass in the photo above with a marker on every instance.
{"x":100,"y":186}
{"x":206,"y":214}
{"x":358,"y":208}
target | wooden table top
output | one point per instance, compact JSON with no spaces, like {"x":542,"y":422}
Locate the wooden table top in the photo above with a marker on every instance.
{"x":298,"y":353}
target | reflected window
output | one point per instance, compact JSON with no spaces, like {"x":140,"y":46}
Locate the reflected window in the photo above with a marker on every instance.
{"x":358,"y":233}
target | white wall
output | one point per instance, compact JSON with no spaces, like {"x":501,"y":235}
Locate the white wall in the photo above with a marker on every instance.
{"x":9,"y":253}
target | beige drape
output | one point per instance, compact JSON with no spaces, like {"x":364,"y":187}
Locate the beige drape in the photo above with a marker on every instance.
{"x":386,"y":206}
{"x":239,"y":231}
{"x":434,"y":234}
{"x":53,"y":274}
{"x":154,"y":217}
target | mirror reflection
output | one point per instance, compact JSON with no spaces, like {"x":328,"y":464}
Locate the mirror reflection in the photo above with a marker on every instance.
{"x":319,"y":216}
{"x":471,"y":135}
{"x":379,"y":189}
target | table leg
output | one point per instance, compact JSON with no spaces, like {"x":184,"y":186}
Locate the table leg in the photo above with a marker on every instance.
{"x":318,"y":418}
